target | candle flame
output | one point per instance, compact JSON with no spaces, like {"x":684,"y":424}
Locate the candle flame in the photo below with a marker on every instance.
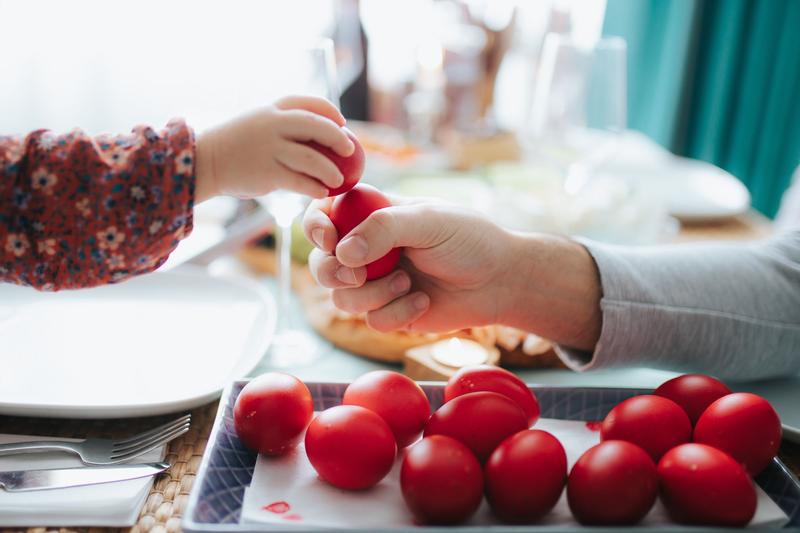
{"x":457,"y":353}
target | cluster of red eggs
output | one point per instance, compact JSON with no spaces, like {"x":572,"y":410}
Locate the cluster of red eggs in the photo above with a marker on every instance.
{"x":479,"y":443}
{"x":692,"y":441}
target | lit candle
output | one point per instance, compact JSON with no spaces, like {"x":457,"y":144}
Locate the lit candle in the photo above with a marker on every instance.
{"x":457,"y":353}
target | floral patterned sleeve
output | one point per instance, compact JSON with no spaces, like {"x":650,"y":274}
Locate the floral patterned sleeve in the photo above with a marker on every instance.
{"x":77,"y":211}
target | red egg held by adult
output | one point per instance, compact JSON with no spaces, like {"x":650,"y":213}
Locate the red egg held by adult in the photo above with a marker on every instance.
{"x":351,"y":209}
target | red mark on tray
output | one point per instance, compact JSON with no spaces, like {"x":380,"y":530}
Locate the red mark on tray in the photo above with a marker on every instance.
{"x":594,"y":425}
{"x":295,"y":517}
{"x":278,"y":507}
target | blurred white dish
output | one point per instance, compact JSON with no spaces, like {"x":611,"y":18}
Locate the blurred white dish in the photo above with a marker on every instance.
{"x":693,"y":190}
{"x":530,"y":197}
{"x":689,"y":189}
{"x":159,"y":343}
{"x":698,"y":191}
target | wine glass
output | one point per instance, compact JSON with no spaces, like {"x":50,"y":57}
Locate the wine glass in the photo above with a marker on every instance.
{"x":579,"y":106}
{"x":293,"y":346}
{"x":577,"y":121}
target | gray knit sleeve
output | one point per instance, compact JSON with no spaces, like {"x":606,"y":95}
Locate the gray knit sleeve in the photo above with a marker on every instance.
{"x":727,"y":309}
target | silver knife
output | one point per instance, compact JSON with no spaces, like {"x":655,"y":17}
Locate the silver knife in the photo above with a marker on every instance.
{"x":59,"y":478}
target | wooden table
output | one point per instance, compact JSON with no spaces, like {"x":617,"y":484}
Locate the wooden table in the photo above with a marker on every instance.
{"x":165,"y":504}
{"x":750,"y":226}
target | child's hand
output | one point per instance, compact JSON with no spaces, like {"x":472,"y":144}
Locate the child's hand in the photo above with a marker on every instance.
{"x":260,"y":152}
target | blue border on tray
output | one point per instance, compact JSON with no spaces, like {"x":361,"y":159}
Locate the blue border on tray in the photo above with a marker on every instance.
{"x":226,"y":471}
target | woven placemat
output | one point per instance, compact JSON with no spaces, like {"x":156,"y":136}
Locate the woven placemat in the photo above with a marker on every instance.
{"x":167,"y":500}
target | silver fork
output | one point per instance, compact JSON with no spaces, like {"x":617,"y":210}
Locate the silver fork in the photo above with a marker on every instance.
{"x":106,"y":451}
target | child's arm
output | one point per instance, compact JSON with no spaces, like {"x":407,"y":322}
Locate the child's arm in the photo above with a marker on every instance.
{"x":77,"y":211}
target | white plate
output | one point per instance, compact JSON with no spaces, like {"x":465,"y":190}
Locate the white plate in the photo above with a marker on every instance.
{"x":156,"y":344}
{"x":693,"y":190}
{"x":698,"y":191}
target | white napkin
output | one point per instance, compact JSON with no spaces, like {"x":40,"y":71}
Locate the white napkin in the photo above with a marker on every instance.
{"x":108,"y":504}
{"x":286,"y":491}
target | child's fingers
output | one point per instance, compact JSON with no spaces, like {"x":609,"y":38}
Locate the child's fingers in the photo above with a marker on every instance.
{"x":315,"y":104}
{"x":318,"y":227}
{"x":328,"y":272}
{"x":373,"y":294}
{"x":400,"y":313}
{"x":306,"y":160}
{"x":301,"y":183}
{"x":301,"y":125}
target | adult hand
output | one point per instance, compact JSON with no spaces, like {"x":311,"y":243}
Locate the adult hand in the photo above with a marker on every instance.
{"x":458,"y":270}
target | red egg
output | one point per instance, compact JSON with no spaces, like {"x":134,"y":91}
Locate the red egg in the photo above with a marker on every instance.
{"x":271,"y":412}
{"x":398,"y":399}
{"x":613,"y":484}
{"x":351,"y":167}
{"x":350,"y":447}
{"x":480,"y":420}
{"x":525,"y":476}
{"x":654,"y":423}
{"x":351,"y":209}
{"x":441,"y":480}
{"x":702,"y":485}
{"x":493,"y":379}
{"x":745,"y":426}
{"x":693,"y":392}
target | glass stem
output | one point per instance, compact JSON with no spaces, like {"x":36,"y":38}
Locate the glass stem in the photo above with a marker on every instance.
{"x":285,"y":274}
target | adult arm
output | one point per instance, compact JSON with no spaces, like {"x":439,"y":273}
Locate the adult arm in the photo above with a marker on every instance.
{"x":731,"y":310}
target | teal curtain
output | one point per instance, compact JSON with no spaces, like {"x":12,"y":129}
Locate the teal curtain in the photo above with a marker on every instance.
{"x":717,"y":80}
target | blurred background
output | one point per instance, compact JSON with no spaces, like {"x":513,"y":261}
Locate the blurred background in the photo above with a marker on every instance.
{"x":618,"y":120}
{"x":634,"y":122}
